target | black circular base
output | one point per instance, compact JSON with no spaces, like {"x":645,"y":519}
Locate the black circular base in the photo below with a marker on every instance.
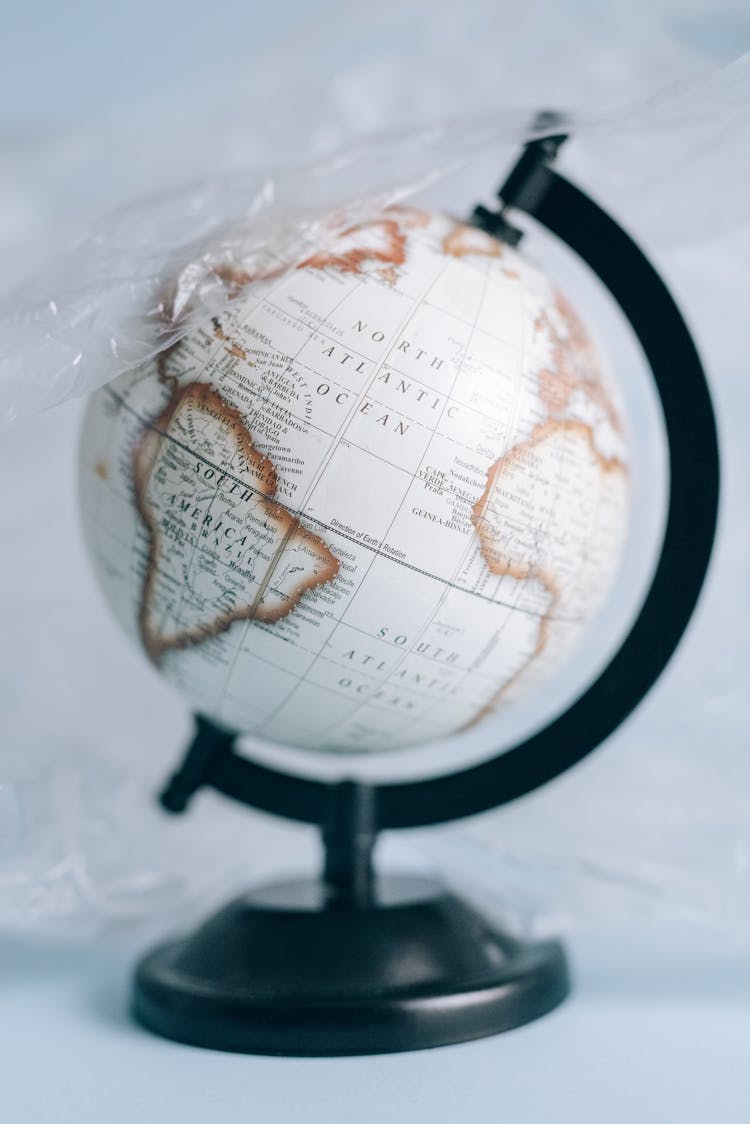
{"x":280,"y":971}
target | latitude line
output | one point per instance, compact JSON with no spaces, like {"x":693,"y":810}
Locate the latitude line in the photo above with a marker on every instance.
{"x":441,"y":599}
{"x":416,"y":306}
{"x":350,"y":417}
{"x":266,"y":582}
{"x":336,"y":530}
{"x":512,"y":428}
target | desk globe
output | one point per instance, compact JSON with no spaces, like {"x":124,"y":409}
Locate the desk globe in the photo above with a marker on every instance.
{"x":375,"y":499}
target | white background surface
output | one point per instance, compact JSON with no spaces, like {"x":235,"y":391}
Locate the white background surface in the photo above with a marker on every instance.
{"x":656,"y":1031}
{"x":658,"y":1028}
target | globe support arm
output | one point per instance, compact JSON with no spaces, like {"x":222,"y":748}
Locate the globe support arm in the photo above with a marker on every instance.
{"x":535,"y":188}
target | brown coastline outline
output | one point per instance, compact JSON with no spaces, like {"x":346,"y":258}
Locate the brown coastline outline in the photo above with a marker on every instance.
{"x":384,"y":242}
{"x":500,"y":563}
{"x":574,"y":365}
{"x":467,"y":241}
{"x":259,"y":475}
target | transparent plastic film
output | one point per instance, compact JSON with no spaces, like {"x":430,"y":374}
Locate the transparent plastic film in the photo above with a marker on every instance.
{"x":675,"y":166}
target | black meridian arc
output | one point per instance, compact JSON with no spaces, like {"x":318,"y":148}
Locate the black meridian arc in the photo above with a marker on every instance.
{"x":567,"y":212}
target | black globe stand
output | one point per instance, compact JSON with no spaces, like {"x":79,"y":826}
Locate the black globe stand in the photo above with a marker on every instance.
{"x":349,"y":964}
{"x":357,"y":964}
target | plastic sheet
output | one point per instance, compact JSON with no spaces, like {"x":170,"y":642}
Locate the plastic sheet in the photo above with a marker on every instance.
{"x":102,"y":309}
{"x":78,"y":843}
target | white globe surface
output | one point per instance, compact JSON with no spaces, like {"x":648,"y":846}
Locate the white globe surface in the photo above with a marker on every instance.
{"x":377,"y":498}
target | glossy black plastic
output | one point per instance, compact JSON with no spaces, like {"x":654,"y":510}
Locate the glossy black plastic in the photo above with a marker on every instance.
{"x":284,"y":970}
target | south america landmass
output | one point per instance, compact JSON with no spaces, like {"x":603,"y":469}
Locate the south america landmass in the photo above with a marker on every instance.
{"x":220,"y":548}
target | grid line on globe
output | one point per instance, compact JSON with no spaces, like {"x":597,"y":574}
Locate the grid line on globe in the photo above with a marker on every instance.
{"x":378,"y":497}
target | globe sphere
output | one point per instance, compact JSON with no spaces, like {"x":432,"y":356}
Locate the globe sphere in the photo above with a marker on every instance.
{"x":379,"y":496}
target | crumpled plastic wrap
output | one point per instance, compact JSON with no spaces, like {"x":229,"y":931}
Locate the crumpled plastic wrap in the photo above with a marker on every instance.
{"x":102,"y":309}
{"x":657,"y":820}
